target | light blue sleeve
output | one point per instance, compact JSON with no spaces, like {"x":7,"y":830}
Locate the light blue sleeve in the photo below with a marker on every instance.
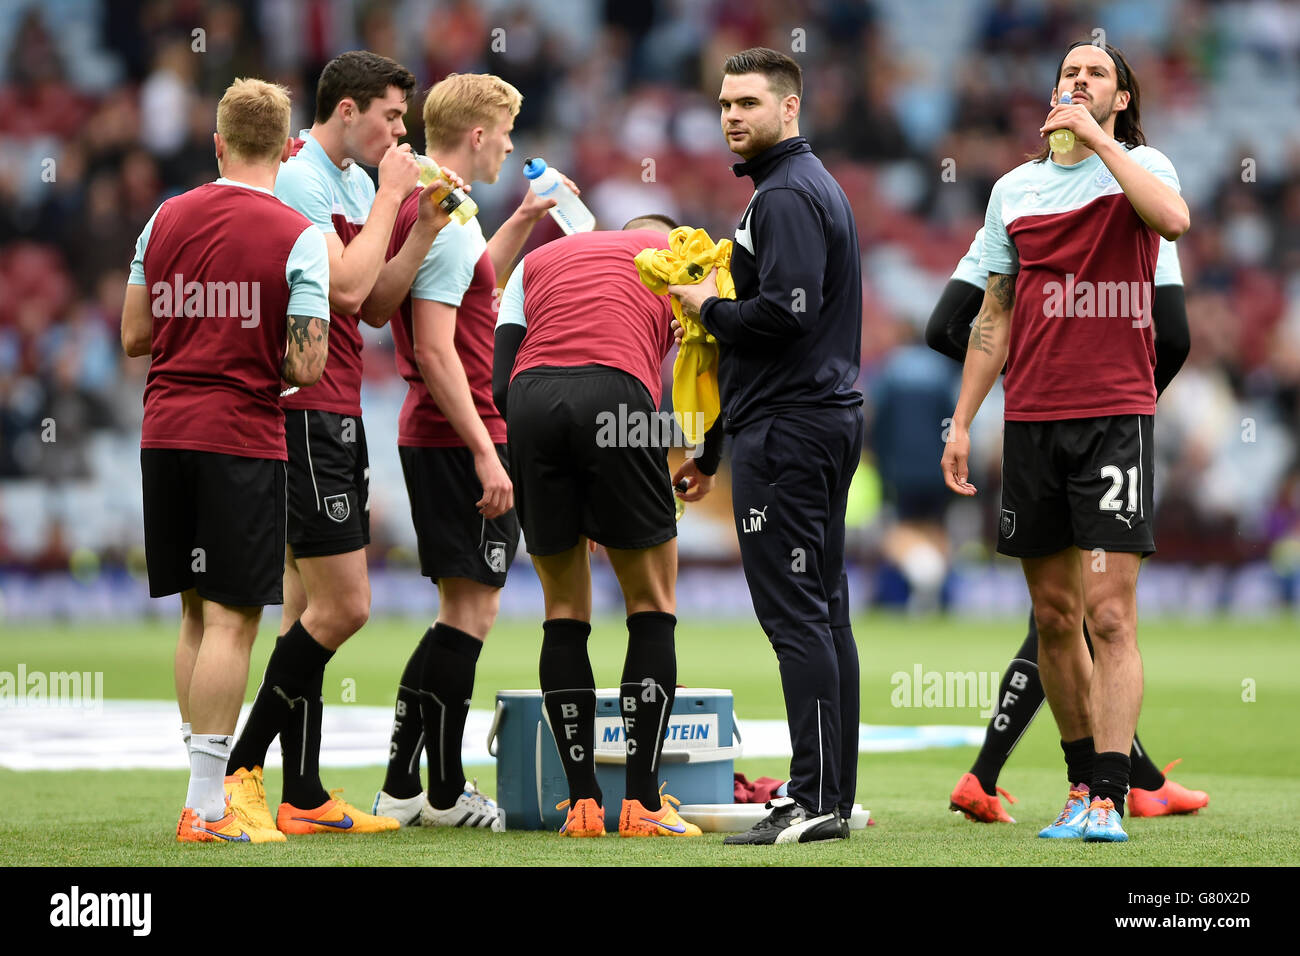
{"x":448,"y":268}
{"x":512,"y":300}
{"x":1168,"y":269}
{"x":299,"y":187}
{"x":137,"y":263}
{"x":1158,"y":164}
{"x":968,"y":270}
{"x":308,"y":274}
{"x":999,"y":253}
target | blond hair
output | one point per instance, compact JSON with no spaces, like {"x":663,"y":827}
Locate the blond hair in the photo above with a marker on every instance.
{"x":462,"y":101}
{"x":253,"y":119}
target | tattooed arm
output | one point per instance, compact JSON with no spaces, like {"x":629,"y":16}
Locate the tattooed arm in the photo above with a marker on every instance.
{"x":986,"y":352}
{"x":304,"y":360}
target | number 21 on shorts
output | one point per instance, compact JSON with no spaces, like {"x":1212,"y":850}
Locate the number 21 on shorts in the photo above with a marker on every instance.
{"x":1110,"y":501}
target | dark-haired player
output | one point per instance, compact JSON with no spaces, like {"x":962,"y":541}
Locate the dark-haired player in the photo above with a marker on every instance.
{"x":1021,"y":693}
{"x":1080,"y":396}
{"x":227,"y":295}
{"x":360,"y":101}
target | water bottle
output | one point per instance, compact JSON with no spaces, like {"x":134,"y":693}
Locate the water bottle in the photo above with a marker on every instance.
{"x":1062,"y":140}
{"x":454,"y":201}
{"x":569,"y":211}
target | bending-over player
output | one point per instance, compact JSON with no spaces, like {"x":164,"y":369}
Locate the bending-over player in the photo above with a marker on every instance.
{"x":562,"y":372}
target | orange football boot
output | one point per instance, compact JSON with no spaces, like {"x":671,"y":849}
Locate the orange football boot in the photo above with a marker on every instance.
{"x":1169,"y":799}
{"x":586,"y":818}
{"x":332,"y":816}
{"x":968,"y":797}
{"x":636,"y":821}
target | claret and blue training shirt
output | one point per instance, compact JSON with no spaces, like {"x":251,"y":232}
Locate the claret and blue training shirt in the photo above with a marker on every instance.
{"x":334,"y":200}
{"x":1082,"y":341}
{"x":225,"y":264}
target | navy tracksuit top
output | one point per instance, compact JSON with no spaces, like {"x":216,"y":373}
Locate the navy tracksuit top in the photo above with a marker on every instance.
{"x":792,"y":338}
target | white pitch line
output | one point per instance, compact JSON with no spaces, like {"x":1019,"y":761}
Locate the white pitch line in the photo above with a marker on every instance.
{"x":145,"y":734}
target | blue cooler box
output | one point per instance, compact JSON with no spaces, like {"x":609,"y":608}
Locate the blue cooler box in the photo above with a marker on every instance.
{"x":701,"y":745}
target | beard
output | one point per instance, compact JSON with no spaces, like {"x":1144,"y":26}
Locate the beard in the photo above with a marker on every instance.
{"x":762,"y":138}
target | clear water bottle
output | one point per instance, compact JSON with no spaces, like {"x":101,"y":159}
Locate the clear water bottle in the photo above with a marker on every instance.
{"x":455,"y":202}
{"x":569,"y":211}
{"x":1062,"y":140}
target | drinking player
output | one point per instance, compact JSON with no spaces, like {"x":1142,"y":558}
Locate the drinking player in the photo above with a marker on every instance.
{"x":1080,"y":396}
{"x":1021,"y":693}
{"x":225,"y":311}
{"x":360,"y":101}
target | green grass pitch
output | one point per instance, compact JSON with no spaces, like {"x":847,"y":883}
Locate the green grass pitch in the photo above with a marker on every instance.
{"x":1242,"y":752}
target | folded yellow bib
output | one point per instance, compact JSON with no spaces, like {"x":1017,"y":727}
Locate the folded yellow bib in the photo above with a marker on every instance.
{"x":691,"y":255}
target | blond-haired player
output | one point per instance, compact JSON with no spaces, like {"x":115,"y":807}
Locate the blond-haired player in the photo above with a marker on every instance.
{"x":227,"y":295}
{"x":451,"y":439}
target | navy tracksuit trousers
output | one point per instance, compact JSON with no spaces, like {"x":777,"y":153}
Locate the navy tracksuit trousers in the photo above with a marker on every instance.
{"x":790,"y":477}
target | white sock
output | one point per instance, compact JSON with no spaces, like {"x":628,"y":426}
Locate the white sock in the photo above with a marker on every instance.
{"x":185,"y":735}
{"x":208,"y":756}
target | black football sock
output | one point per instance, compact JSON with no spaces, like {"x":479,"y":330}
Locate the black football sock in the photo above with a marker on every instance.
{"x":646,"y":699}
{"x":569,"y":697}
{"x":300,"y":745}
{"x":1110,"y":779}
{"x":1079,"y":760}
{"x":406,"y":743}
{"x":1144,"y":775}
{"x":294,"y":660}
{"x":1019,"y":697}
{"x":446,"y":686}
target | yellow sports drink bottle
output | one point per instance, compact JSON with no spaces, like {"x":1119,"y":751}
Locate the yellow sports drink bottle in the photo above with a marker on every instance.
{"x":454,"y":202}
{"x":1062,"y":140}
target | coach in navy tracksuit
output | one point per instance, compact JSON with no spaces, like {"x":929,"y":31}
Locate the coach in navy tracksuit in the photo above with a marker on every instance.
{"x":789,"y":347}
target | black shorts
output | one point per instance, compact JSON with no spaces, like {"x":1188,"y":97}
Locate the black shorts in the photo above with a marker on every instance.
{"x":214,"y":523}
{"x":582,"y":467}
{"x":456,"y":541}
{"x":329,"y":483}
{"x":1085,"y":482}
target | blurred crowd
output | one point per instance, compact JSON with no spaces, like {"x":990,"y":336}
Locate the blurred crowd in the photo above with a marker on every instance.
{"x":917,"y":107}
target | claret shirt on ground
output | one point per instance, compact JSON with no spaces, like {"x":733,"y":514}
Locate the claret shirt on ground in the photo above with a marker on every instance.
{"x":1082,"y":341}
{"x":582,"y":302}
{"x":458,"y":272}
{"x":224,"y":265}
{"x":334,"y":200}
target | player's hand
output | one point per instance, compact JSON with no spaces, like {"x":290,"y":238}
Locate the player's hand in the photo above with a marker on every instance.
{"x":399,"y":173}
{"x":698,"y":484}
{"x":534,"y":207}
{"x":498,"y":492}
{"x":678,"y":331}
{"x":692,"y":297}
{"x":956,"y":462}
{"x":1076,"y":118}
{"x":431,"y":214}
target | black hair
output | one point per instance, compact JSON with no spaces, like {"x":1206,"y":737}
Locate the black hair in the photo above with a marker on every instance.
{"x":1128,"y":122}
{"x":783,"y":74}
{"x":650,"y":217}
{"x":361,"y":76}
